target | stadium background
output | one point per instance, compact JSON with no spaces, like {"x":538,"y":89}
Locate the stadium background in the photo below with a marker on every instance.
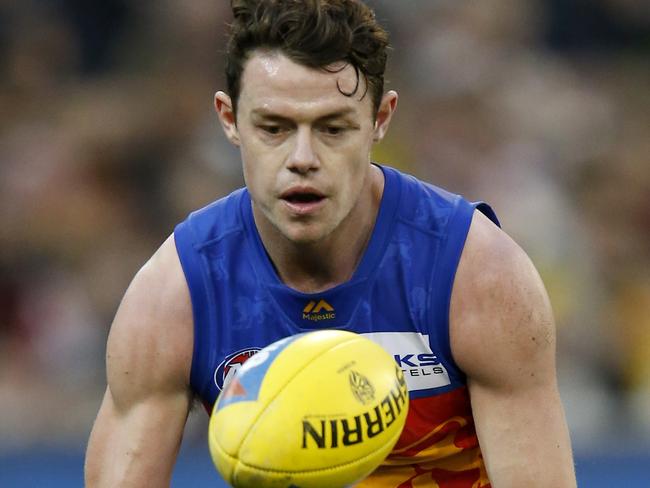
{"x":108,"y":138}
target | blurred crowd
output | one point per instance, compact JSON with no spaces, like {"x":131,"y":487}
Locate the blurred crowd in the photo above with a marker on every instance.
{"x":108,"y":139}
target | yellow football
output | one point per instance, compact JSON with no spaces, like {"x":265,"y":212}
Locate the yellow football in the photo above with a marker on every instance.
{"x":316,"y":410}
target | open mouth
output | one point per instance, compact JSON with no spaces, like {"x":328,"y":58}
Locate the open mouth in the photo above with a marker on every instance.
{"x":303,"y":201}
{"x":303,"y":198}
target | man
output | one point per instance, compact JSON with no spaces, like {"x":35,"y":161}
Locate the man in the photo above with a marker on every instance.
{"x":323,"y":238}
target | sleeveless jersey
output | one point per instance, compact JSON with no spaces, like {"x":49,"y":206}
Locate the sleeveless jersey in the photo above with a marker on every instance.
{"x":398,"y":296}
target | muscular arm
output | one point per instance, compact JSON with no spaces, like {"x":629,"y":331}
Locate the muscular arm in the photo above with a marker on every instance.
{"x":139,"y":427}
{"x":503,"y":336}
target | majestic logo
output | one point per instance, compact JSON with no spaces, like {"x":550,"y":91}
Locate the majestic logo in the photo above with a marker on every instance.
{"x":226,"y":371}
{"x":361,"y":388}
{"x":317,"y":311}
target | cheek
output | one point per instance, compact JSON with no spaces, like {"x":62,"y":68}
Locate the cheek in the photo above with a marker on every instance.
{"x":260,"y":179}
{"x":352,"y":183}
{"x":247,"y":170}
{"x":253,"y":177}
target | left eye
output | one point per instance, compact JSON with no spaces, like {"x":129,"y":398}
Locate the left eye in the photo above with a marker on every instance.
{"x":333,"y":130}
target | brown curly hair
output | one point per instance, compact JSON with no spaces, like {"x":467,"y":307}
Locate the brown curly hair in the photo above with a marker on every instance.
{"x":314,"y":33}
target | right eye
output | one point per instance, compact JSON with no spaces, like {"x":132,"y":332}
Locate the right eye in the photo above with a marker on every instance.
{"x":272,"y":130}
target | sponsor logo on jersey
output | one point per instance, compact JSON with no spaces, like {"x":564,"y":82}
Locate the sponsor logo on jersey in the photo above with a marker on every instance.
{"x":226,"y":371}
{"x":422,"y":368}
{"x":233,"y":389}
{"x":317,"y":311}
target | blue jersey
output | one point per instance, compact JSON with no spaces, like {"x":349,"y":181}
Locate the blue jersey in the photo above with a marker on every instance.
{"x":399,"y":296}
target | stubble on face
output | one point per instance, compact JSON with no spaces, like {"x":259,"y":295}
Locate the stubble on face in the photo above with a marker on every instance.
{"x":306,"y":179}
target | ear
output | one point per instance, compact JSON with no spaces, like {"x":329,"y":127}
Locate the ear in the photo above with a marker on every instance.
{"x":223,"y":107}
{"x":387,"y":107}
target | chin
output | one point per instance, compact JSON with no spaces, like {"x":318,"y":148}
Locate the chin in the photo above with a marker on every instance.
{"x":303,"y":238}
{"x":305,"y":234}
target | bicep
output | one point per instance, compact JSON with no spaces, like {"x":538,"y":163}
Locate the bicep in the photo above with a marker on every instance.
{"x":503,"y":337}
{"x":140,"y":423}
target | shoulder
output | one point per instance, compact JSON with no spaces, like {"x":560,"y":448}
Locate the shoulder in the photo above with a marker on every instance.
{"x":219,"y":218}
{"x":424,"y":205}
{"x":151,"y":340}
{"x":413,"y":188}
{"x":500,"y":318}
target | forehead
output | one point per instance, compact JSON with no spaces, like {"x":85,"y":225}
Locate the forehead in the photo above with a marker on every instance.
{"x":273,"y":82}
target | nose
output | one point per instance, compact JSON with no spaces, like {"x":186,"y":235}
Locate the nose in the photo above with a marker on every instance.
{"x":303,"y":158}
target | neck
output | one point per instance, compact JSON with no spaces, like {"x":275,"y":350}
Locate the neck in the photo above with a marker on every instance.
{"x":318,"y":266}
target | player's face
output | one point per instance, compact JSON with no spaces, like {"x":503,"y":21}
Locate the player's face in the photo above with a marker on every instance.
{"x":305,"y":146}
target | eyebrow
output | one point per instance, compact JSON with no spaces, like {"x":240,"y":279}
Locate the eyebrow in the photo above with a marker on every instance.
{"x":270,"y":115}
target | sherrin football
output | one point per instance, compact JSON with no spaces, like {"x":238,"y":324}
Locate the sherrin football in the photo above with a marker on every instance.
{"x":316,"y":410}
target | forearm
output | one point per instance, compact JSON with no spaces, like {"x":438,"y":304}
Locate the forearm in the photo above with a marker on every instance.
{"x":136,"y":449}
{"x":532,"y":472}
{"x":524,"y":443}
{"x":124,"y":466}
